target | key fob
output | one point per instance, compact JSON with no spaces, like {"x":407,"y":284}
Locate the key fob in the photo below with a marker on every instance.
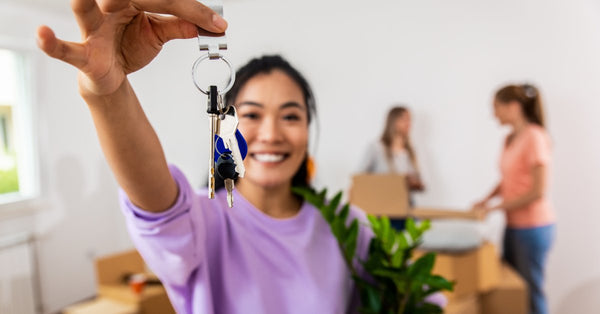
{"x":220,"y":146}
{"x":225,"y":167}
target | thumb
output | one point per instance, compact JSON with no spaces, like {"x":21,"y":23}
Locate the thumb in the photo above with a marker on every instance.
{"x":68,"y":52}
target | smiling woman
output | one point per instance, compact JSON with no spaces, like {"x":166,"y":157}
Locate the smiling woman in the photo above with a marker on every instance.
{"x":272,"y":252}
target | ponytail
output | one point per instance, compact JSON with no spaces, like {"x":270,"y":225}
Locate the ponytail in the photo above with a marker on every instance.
{"x":528,"y":97}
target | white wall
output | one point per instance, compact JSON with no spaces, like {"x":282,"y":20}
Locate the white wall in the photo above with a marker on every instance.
{"x":442,"y":59}
{"x":77,"y":214}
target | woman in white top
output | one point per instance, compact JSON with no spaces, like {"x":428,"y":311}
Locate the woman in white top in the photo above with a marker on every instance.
{"x":393,"y":153}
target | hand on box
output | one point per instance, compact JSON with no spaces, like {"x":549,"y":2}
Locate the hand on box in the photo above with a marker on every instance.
{"x":482,"y":207}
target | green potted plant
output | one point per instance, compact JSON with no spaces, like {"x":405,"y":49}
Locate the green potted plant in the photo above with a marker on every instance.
{"x":392,"y":281}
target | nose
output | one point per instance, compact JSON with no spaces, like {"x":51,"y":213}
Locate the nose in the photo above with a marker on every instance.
{"x":269,"y":131}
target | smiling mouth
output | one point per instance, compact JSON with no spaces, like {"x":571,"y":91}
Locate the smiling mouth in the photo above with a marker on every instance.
{"x":269,"y":158}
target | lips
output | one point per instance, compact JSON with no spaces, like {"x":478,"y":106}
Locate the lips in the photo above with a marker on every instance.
{"x":269,"y":157}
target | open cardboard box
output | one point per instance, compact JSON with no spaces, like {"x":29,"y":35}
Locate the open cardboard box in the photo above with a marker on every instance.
{"x":437,"y":213}
{"x":101,"y":306}
{"x":509,"y":296}
{"x":474,"y":271}
{"x":110,"y":271}
{"x":379,"y":194}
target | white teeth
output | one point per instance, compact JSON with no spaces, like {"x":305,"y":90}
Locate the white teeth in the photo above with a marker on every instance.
{"x":268,"y":157}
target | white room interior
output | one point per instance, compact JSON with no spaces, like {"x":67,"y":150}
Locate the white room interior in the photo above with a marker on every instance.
{"x":442,"y":59}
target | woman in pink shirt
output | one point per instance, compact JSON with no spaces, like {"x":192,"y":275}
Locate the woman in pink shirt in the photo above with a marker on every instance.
{"x":525,"y":167}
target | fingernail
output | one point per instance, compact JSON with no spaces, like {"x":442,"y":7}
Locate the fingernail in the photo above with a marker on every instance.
{"x":219,"y":22}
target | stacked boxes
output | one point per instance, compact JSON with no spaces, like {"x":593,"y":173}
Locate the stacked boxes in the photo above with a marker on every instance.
{"x":483,"y":285}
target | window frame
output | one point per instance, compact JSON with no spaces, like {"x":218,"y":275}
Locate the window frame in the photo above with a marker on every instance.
{"x":26,"y":200}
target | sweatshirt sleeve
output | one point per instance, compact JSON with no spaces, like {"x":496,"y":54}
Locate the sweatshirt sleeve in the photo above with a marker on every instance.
{"x":171,"y":242}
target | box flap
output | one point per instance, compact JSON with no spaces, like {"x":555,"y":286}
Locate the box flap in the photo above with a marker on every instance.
{"x":110,"y":269}
{"x":380,"y":194}
{"x":436,"y":213}
{"x":101,"y":306}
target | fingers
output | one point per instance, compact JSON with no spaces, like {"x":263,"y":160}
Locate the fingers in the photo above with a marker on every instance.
{"x":189,"y":10}
{"x":109,"y":6}
{"x":68,"y":52}
{"x":88,"y":15}
{"x":171,"y":27}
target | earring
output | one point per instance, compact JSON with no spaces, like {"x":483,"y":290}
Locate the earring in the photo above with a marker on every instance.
{"x":311,"y":168}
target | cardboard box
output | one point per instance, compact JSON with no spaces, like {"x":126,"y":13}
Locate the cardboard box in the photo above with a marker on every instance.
{"x":101,"y":306}
{"x":110,"y":272}
{"x":435,"y":213}
{"x":510,"y":296}
{"x":474,"y":271}
{"x":469,"y":304}
{"x":380,"y":194}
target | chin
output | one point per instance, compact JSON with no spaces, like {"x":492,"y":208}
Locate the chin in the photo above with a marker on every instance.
{"x":267,"y":182}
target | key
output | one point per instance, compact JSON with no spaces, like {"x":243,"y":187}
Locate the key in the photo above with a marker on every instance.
{"x":229,"y":183}
{"x":226,"y":170}
{"x":213,"y":111}
{"x":227,"y":132}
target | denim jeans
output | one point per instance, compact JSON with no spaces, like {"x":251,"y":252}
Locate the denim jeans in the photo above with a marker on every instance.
{"x":526,"y":250}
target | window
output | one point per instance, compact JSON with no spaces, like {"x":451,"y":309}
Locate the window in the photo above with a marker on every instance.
{"x":18,"y":178}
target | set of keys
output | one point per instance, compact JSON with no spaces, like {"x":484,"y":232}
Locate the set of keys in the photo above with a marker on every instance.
{"x":227,"y":145}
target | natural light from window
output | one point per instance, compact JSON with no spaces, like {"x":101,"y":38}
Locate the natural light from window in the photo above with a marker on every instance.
{"x":16,"y":141}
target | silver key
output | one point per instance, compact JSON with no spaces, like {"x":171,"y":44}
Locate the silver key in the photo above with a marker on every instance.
{"x":229,"y":184}
{"x":214,"y":129}
{"x":214,"y":100}
{"x":227,"y":129}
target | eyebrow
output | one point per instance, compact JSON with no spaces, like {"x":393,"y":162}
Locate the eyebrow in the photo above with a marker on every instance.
{"x":289,"y":104}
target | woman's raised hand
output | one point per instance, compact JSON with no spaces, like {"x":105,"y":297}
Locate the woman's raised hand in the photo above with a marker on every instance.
{"x":119,"y":37}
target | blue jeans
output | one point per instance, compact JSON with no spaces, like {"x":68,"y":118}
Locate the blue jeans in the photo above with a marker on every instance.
{"x":526,"y":251}
{"x":398,"y":223}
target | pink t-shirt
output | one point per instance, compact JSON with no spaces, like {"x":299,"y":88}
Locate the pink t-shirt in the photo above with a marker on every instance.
{"x":528,"y":149}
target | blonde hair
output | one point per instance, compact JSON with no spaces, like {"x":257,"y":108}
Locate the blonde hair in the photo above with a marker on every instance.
{"x":388,"y":133}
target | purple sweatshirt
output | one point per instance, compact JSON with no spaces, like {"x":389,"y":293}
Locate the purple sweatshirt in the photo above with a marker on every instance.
{"x":216,"y":259}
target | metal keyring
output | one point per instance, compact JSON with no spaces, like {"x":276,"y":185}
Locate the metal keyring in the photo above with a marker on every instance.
{"x":231,"y":77}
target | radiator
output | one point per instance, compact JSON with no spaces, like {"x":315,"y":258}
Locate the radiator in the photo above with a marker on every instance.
{"x":18,"y":286}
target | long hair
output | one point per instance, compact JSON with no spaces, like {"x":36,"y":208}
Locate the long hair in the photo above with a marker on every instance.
{"x":265,"y":65}
{"x":388,"y":135}
{"x":528,"y":97}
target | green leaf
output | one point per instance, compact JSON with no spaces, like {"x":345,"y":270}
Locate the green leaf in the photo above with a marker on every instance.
{"x":322,"y":195}
{"x":351,"y":239}
{"x":344,"y":212}
{"x":424,"y":226}
{"x":330,"y":210}
{"x":439,"y":283}
{"x":422,"y":266}
{"x":339,"y":229}
{"x":398,"y":256}
{"x":372,"y":299}
{"x":374,"y":221}
{"x":308,"y":195}
{"x":412,"y":229}
{"x":335,"y":202}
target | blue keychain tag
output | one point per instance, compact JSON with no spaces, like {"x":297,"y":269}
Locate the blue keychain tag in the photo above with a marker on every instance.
{"x":220,"y":146}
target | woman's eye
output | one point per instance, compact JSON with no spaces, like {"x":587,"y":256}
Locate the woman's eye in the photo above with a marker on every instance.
{"x":250,"y":115}
{"x":291,"y":117}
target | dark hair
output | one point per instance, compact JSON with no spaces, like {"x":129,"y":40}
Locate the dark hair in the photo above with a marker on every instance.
{"x":265,"y":65}
{"x":388,"y":134}
{"x":528,"y":97}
